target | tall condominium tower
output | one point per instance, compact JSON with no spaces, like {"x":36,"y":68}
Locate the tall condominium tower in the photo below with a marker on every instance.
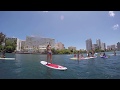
{"x":88,"y":44}
{"x":98,"y":42}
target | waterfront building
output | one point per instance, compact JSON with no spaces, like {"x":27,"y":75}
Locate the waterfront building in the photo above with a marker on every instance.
{"x":88,"y":44}
{"x":118,"y":46}
{"x":94,"y":46}
{"x":108,"y":47}
{"x":98,"y":42}
{"x":103,"y":46}
{"x":59,"y":46}
{"x":34,"y":44}
{"x":23,"y":45}
{"x":113,"y":47}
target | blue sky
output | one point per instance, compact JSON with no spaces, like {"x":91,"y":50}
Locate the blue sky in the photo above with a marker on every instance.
{"x":72,"y":28}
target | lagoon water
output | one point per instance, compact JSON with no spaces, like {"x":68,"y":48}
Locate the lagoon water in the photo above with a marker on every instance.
{"x":27,"y":66}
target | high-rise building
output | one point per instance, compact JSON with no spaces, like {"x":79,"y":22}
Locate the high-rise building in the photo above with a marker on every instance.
{"x":108,"y":47}
{"x":88,"y":44}
{"x":94,"y":46}
{"x":98,"y":42}
{"x":118,"y":46}
{"x":103,"y":46}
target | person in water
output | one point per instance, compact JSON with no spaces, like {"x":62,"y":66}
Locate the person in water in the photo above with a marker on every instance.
{"x":49,"y":53}
{"x":93,"y":53}
{"x":78,"y":54}
{"x":88,"y":54}
{"x":104,"y":54}
{"x":74,"y":55}
{"x":82,"y":56}
{"x":101,"y":54}
{"x":114,"y":53}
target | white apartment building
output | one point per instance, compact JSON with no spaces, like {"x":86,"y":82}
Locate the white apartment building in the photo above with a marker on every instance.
{"x":59,"y":46}
{"x":38,"y":43}
{"x":18,"y":47}
{"x":42,"y":48}
{"x":72,"y":48}
{"x":22,"y":45}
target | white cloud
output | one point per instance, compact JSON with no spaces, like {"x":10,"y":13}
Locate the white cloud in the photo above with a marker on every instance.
{"x":13,"y":37}
{"x":61,"y":17}
{"x":111,"y":13}
{"x":115,"y":27}
{"x":45,"y":11}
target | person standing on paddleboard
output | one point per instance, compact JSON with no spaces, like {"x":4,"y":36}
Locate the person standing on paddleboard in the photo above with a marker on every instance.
{"x":104,"y":54}
{"x":114,"y":53}
{"x":49,"y":53}
{"x":93,"y":52}
{"x":78,"y":55}
{"x":3,"y":53}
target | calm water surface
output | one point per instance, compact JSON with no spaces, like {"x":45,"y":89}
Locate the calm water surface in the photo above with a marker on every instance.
{"x":27,"y":66}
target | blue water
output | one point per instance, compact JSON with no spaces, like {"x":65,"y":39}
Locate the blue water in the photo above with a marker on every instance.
{"x":27,"y":66}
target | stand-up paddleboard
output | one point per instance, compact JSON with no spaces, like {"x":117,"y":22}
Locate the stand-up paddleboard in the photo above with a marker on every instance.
{"x":113,"y":54}
{"x":93,"y":57}
{"x":54,"y":66}
{"x":7,"y":58}
{"x":74,"y":58}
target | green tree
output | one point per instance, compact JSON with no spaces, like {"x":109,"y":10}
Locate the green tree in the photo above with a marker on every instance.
{"x":9,"y":49}
{"x":10,"y":45}
{"x":53,"y":51}
{"x":1,"y":47}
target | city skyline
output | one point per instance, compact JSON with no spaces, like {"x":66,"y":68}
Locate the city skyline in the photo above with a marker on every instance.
{"x":72,"y":28}
{"x":89,"y":44}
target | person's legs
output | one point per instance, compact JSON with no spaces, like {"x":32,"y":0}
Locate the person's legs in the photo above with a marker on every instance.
{"x":51,"y":57}
{"x":47,"y":57}
{"x":2,"y":56}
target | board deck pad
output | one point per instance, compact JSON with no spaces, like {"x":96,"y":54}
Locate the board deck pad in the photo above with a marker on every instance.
{"x":54,"y":66}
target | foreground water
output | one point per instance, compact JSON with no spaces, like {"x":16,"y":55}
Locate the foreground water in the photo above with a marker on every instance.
{"x":27,"y":66}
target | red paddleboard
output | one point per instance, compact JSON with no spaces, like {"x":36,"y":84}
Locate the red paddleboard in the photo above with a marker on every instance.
{"x":54,"y":66}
